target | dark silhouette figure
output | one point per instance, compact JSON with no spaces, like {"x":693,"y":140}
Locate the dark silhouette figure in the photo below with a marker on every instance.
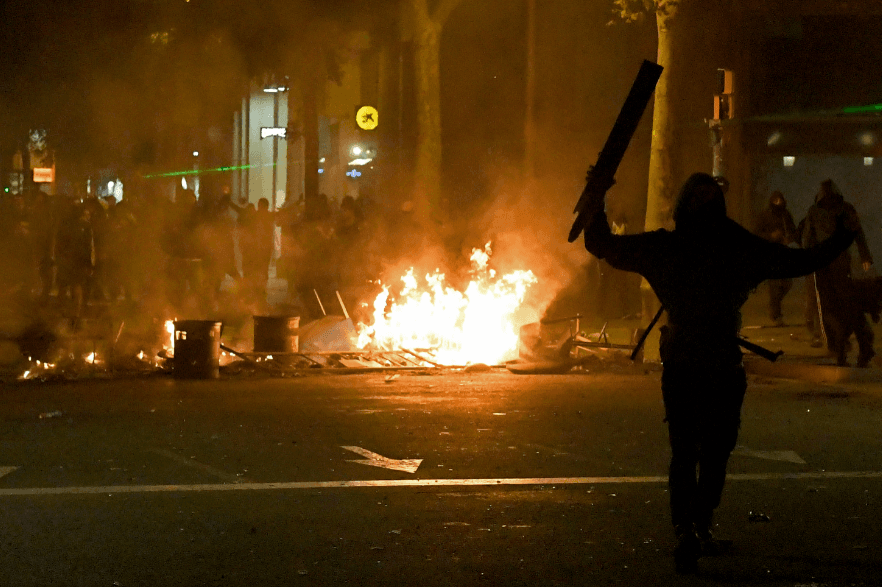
{"x":842,"y":312}
{"x":257,"y":238}
{"x":75,"y":254}
{"x":184,"y":270}
{"x":702,"y":273}
{"x":317,"y":264}
{"x":775,"y":224}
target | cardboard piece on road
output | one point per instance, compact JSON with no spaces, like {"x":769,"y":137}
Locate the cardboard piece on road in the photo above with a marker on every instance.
{"x":329,"y":333}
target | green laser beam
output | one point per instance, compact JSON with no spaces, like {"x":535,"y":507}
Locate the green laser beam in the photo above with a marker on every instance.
{"x":200,"y":171}
{"x":862,"y":109}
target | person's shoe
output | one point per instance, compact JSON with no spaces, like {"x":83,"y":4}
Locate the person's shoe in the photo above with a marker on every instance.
{"x":710,"y":544}
{"x":688,"y":551}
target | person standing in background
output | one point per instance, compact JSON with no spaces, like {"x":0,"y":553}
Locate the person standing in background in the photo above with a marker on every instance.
{"x":775,"y":224}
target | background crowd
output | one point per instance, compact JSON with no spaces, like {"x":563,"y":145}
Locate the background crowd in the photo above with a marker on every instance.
{"x":195,"y":257}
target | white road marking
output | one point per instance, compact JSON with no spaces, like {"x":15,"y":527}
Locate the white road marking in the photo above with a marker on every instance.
{"x":770,"y":455}
{"x":375,"y":460}
{"x":6,"y":470}
{"x":541,"y":481}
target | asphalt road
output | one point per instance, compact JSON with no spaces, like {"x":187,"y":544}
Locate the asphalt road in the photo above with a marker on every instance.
{"x":518,"y":480}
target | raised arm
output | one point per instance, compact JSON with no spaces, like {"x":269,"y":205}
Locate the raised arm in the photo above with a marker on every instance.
{"x":776,"y":261}
{"x":631,"y":252}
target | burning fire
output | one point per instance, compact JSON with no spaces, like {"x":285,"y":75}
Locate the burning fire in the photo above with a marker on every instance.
{"x":169,"y":346}
{"x":473,"y":326}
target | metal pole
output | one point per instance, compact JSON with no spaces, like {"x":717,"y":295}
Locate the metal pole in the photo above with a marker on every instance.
{"x":275,"y":145}
{"x":716,"y":129}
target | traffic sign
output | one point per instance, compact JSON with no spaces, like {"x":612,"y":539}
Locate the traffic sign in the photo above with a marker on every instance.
{"x":366,"y":118}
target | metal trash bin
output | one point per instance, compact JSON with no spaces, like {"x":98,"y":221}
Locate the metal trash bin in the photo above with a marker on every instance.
{"x":197,"y":349}
{"x":276,"y":334}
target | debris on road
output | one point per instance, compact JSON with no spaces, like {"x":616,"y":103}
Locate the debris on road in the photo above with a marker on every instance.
{"x":477,"y":368}
{"x":55,"y":414}
{"x":758,"y":517}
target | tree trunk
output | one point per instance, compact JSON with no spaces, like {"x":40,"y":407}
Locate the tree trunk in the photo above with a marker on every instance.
{"x":663,"y":158}
{"x":426,"y":31}
{"x":663,"y":152}
{"x":428,"y":156}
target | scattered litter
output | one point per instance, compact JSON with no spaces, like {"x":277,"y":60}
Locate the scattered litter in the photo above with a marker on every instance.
{"x":394,"y":531}
{"x":860,"y":547}
{"x":391,"y":378}
{"x":758,"y":517}
{"x":54,"y":414}
{"x":302,"y":572}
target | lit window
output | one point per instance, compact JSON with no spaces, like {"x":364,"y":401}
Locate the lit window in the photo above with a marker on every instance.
{"x":868,"y":161}
{"x":789,"y":161}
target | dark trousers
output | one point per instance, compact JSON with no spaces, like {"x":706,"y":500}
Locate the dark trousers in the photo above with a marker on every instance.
{"x":843,"y":316}
{"x":778,"y":288}
{"x":703,"y":409}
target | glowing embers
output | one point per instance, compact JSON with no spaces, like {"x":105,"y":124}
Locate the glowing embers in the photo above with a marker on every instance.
{"x":476,"y":325}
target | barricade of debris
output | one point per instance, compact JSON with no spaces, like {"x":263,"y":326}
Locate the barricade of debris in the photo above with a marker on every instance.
{"x":193,"y":349}
{"x":557,"y":346}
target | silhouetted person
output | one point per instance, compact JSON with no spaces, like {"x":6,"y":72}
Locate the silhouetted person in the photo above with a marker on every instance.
{"x":215,"y":241}
{"x":44,"y":226}
{"x":180,"y":244}
{"x":257,"y":242}
{"x":316,"y":266}
{"x":75,"y":255}
{"x":351,"y":240}
{"x":840,"y":308}
{"x":702,"y":273}
{"x":775,"y":224}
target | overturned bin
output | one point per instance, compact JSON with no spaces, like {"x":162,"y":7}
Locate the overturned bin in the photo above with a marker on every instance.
{"x":276,"y":334}
{"x":197,"y":349}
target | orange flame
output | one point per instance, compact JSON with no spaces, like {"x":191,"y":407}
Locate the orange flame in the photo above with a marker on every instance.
{"x":473,"y":326}
{"x":169,"y":345}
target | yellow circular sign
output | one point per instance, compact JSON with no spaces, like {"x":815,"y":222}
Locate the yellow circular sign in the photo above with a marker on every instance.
{"x":366,"y":118}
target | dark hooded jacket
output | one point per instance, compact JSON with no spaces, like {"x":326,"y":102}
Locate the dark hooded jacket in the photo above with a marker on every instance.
{"x":704,"y":270}
{"x":820,"y":223}
{"x":775,"y":223}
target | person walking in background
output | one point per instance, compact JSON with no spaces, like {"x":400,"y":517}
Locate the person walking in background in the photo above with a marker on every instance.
{"x":775,"y":224}
{"x":840,"y":308}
